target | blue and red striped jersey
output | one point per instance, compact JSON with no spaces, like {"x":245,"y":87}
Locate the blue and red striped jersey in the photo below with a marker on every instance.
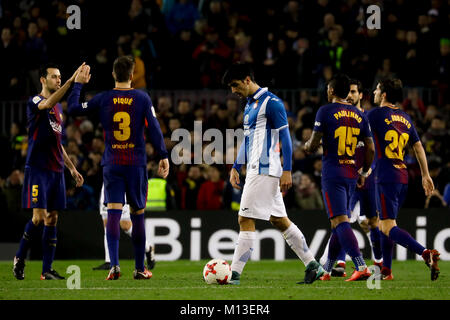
{"x":125,"y":114}
{"x":45,"y":132}
{"x":342,"y":126}
{"x":392,"y":130}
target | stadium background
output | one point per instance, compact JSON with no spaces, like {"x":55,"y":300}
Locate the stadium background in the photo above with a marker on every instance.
{"x":182,"y":49}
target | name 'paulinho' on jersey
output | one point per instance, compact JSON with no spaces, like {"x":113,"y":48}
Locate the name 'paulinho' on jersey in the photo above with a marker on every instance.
{"x":264,"y":116}
{"x":45,"y":132}
{"x":343,"y":127}
{"x":125,"y":114}
{"x":392,"y":130}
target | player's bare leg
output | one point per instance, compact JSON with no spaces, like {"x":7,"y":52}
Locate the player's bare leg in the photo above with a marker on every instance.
{"x":138,"y":239}
{"x":30,"y":233}
{"x":49,"y":241}
{"x":243,"y":249}
{"x":296,"y":240}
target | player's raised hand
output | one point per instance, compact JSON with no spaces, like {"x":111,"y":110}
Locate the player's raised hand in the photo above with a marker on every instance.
{"x":84,"y":75}
{"x":78,"y":177}
{"x":163,"y":169}
{"x":286,"y":181}
{"x":234,"y":179}
{"x":72,"y":78}
{"x":428,"y":186}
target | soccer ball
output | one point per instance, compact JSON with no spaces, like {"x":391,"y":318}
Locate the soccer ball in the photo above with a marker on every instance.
{"x":217,"y":271}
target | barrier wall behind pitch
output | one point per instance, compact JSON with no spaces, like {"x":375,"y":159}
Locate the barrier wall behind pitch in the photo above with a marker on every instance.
{"x":196,"y":235}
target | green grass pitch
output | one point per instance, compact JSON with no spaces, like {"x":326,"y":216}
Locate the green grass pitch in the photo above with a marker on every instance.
{"x":182,"y":280}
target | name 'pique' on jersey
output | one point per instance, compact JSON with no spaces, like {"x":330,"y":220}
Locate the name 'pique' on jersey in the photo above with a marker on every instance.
{"x":124,"y":114}
{"x":392,"y":130}
{"x":343,"y":127}
{"x":45,"y":132}
{"x":264,"y":116}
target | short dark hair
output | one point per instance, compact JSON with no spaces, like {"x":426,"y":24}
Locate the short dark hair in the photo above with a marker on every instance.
{"x":357,"y":83}
{"x":393,"y":89}
{"x":123,"y":68}
{"x":238,"y":71}
{"x":340,"y":84}
{"x":43,"y":70}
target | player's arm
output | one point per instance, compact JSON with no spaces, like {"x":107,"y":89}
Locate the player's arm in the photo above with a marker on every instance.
{"x":369,"y":155}
{"x":73,"y":170}
{"x":240,"y":160}
{"x":73,"y":101}
{"x":427,"y":182}
{"x":59,"y":94}
{"x":157,"y":140}
{"x":313,"y":143}
{"x":276,"y":114}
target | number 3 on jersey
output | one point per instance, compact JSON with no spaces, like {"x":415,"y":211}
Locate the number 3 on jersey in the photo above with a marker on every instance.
{"x":397,"y":142}
{"x":347,"y":140}
{"x":124,"y":131}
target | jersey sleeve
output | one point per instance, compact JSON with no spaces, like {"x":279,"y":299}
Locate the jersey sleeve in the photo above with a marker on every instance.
{"x":276,"y":113}
{"x":75,"y":108}
{"x":319,"y":122}
{"x":366,"y":130}
{"x":33,"y":103}
{"x":154,"y":130}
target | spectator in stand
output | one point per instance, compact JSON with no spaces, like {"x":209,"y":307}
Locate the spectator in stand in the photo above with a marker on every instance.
{"x":210,"y":195}
{"x":191,"y":187}
{"x":307,"y":195}
{"x":185,"y":115}
{"x":212,"y":56}
{"x":9,"y":58}
{"x":35,"y":50}
{"x":13,"y":191}
{"x":182,"y":16}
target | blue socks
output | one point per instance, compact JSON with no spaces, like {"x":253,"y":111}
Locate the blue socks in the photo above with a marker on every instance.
{"x":138,"y":239}
{"x":348,"y":241}
{"x":25,"y":243}
{"x":404,"y":239}
{"x":113,"y":235}
{"x":375,"y":235}
{"x":48,"y":247}
{"x":334,"y":249}
{"x":387,"y":247}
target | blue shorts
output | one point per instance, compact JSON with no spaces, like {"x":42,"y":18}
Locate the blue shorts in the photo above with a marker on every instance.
{"x":390,"y":197}
{"x":367,"y":197}
{"x":130,"y":180}
{"x":336,"y":196}
{"x":43,"y":189}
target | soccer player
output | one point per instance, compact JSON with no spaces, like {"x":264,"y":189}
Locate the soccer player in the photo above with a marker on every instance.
{"x":265,"y":126}
{"x":124,"y":114}
{"x":44,"y":187}
{"x":127,"y":227}
{"x":341,"y":125}
{"x":363,"y":203}
{"x":392,"y":130}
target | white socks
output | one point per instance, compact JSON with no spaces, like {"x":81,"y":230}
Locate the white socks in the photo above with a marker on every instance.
{"x":295,"y":239}
{"x":243,"y":250}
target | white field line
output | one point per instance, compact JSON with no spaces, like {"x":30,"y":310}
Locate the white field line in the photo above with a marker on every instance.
{"x":216,"y":287}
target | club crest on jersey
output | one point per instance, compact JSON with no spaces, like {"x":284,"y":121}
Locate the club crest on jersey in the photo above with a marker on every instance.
{"x":36,"y":99}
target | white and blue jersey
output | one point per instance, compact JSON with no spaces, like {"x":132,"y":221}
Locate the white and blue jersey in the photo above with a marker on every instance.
{"x":264,"y":117}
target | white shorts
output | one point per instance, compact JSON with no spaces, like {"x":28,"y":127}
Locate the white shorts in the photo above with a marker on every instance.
{"x":261,"y":198}
{"x":104,"y":209}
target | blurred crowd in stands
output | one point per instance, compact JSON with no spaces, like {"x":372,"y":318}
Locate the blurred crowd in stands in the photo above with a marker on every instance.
{"x":183,"y":44}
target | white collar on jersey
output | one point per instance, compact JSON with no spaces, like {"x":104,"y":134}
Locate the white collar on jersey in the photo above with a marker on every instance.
{"x":259,"y":93}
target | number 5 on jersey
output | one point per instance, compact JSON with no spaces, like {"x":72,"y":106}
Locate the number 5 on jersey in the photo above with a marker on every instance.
{"x":123,"y":118}
{"x":347,"y":140}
